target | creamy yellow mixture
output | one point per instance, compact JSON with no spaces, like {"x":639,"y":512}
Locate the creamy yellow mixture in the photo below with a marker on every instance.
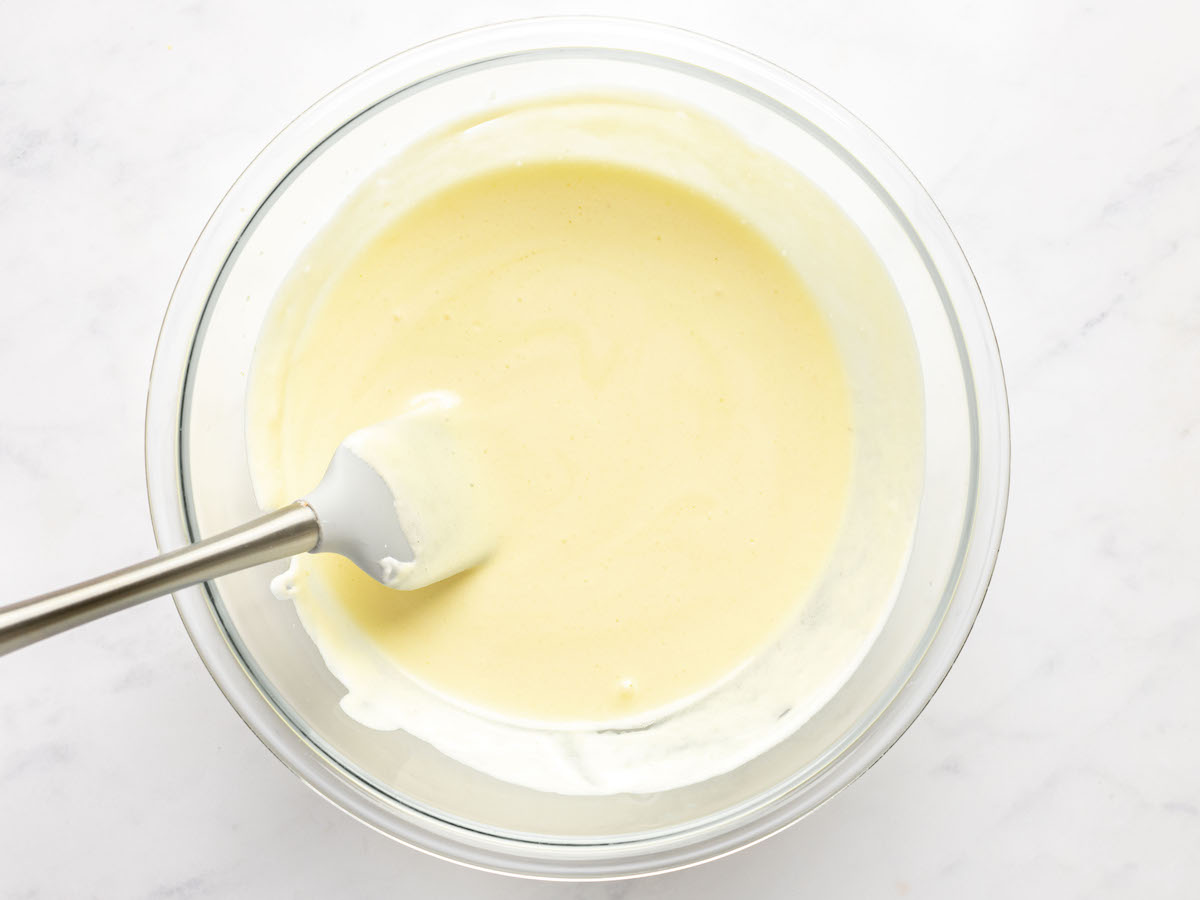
{"x":664,"y":416}
{"x":702,"y":411}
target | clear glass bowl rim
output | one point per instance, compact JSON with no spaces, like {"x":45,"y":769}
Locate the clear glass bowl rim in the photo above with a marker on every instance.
{"x":947,"y":264}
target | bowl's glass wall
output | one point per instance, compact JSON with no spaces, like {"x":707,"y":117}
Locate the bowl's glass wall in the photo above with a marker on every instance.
{"x":403,"y":785}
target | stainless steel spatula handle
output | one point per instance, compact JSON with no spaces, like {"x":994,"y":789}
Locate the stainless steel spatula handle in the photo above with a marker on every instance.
{"x":285,"y":532}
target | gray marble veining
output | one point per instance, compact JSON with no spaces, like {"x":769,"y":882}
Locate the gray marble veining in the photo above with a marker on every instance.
{"x":1061,"y":139}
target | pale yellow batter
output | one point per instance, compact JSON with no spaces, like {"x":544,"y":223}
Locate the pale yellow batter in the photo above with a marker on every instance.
{"x":664,"y":416}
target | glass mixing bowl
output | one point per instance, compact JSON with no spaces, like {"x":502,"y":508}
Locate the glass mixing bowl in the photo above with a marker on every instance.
{"x":199,"y":481}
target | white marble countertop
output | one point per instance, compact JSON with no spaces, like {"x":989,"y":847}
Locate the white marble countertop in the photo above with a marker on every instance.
{"x":1062,"y":756}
